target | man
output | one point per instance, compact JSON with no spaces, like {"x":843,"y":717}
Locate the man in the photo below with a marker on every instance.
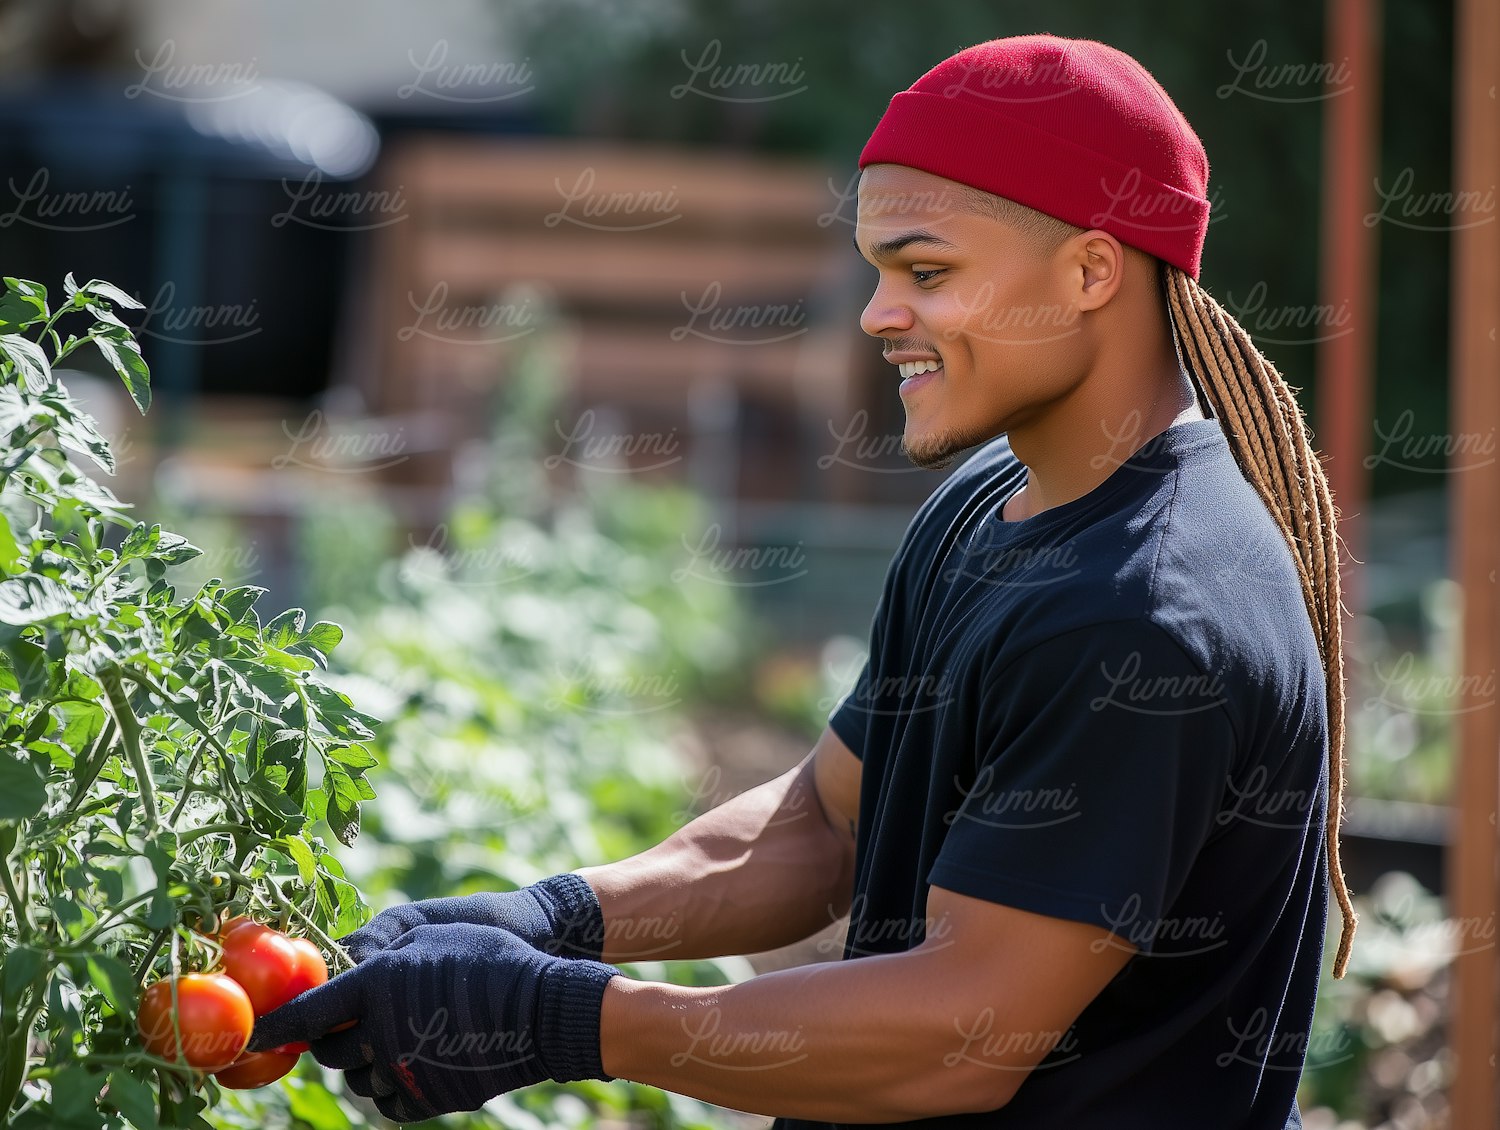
{"x":1082,"y":804}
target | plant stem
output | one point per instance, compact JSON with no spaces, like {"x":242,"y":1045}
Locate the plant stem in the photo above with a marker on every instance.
{"x":130,"y":736}
{"x":151,"y":951}
{"x":187,"y":785}
{"x":225,"y":757}
{"x":24,"y":925}
{"x":284,"y":904}
{"x":209,"y":830}
{"x":114,"y":918}
{"x":92,"y":762}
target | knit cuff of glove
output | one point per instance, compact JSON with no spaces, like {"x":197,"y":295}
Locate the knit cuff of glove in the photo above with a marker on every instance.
{"x":570,"y":1003}
{"x":575,"y":914}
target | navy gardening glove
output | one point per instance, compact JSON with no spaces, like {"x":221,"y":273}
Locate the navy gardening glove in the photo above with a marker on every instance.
{"x":447,"y":1018}
{"x":560,"y":916}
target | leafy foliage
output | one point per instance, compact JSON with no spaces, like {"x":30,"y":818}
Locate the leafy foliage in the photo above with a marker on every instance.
{"x":167,"y":757}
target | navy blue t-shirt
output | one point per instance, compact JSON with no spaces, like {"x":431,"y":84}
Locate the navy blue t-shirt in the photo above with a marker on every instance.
{"x":1112,"y":712}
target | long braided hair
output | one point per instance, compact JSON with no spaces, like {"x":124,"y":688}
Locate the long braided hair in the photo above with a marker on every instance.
{"x":1266,"y":430}
{"x":1269,"y":437}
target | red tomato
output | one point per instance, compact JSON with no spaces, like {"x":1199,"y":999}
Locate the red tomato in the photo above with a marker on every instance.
{"x":265,"y":963}
{"x":310,"y":971}
{"x":213,"y":1014}
{"x":255,"y":1069}
{"x":234,"y":924}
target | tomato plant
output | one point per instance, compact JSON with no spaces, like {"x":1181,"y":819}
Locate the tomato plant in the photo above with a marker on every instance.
{"x":168,"y":760}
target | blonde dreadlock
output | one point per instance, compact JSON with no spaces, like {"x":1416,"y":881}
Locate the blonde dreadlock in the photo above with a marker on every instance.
{"x":1264,"y":426}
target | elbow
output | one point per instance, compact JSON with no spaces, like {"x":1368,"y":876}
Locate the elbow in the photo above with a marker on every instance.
{"x":981,"y":1090}
{"x":962,"y":1089}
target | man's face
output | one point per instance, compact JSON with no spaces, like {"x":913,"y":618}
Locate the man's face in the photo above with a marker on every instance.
{"x":982,"y":298}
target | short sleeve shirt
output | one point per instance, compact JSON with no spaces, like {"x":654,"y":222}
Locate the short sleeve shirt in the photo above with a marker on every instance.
{"x":1113,"y":712}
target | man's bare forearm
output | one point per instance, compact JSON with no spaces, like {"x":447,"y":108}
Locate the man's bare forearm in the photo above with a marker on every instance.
{"x":881,"y":1039}
{"x":761,"y":870}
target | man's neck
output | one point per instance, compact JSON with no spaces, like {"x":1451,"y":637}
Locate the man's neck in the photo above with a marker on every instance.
{"x":1081,"y":440}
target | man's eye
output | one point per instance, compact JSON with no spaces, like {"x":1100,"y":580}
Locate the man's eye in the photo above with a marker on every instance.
{"x":924,"y":276}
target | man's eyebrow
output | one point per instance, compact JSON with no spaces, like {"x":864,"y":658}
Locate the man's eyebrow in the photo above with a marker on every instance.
{"x":888,"y":247}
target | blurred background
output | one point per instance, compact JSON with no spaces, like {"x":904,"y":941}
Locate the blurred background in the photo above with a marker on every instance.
{"x":521,"y":338}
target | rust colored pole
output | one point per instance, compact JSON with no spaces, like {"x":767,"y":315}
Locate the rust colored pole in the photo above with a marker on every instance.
{"x":1348,"y":265}
{"x":1474,"y":856}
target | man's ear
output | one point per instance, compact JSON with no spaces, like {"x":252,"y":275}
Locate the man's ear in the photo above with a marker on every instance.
{"x":1098,"y":263}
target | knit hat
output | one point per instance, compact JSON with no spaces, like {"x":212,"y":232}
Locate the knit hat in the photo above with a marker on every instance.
{"x":1070,"y":127}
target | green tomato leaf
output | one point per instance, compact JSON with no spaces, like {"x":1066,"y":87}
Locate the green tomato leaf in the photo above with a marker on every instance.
{"x":174,"y":549}
{"x":285,"y":629}
{"x":74,"y":1090}
{"x":285,"y":659}
{"x":10,"y":549}
{"x":100,"y":289}
{"x":24,"y":968}
{"x":343,"y":816}
{"x":133,"y":1099}
{"x":16,"y":410}
{"x":23,"y":303}
{"x":77,"y":432}
{"x":324,"y":635}
{"x":310,"y":1102}
{"x":140,"y":541}
{"x":301,"y":854}
{"x":124,"y":356}
{"x":238,"y":602}
{"x":338,"y":714}
{"x":22,"y":791}
{"x":29,"y":360}
{"x":353,"y":755}
{"x":113,"y":978}
{"x":32,"y":599}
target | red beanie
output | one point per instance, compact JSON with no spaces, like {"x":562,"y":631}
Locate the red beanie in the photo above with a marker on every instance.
{"x":1070,"y":127}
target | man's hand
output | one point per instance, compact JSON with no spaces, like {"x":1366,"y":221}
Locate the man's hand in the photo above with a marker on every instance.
{"x":448,"y":1017}
{"x":560,"y":916}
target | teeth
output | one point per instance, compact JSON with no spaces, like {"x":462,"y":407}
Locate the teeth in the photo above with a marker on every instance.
{"x":912,"y":368}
